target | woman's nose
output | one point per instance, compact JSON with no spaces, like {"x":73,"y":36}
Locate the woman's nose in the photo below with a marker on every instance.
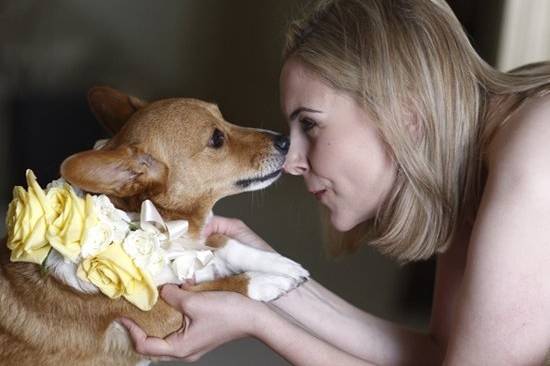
{"x":296,"y":162}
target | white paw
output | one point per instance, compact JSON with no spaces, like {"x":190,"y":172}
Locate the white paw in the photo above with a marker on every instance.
{"x":243,"y":258}
{"x":283,"y":266}
{"x":267,"y":287}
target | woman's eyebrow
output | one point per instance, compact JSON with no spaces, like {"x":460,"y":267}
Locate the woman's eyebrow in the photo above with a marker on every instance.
{"x":302,"y":109}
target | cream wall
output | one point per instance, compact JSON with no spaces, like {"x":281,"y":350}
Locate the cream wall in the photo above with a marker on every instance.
{"x":525,"y":35}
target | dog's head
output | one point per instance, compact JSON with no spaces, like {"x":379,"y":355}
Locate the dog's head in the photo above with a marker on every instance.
{"x":180,"y":153}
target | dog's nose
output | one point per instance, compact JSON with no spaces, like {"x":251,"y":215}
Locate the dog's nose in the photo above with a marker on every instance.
{"x":282,"y":143}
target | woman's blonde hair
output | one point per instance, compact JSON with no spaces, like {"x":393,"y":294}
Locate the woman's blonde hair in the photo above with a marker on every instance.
{"x":411,"y":61}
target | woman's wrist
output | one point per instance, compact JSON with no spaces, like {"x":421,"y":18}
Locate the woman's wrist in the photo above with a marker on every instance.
{"x":264,"y":322}
{"x":257,"y":315}
{"x":295,"y":297}
{"x":295,"y":343}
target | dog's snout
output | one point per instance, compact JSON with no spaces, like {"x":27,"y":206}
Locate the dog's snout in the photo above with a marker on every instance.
{"x":282,"y":143}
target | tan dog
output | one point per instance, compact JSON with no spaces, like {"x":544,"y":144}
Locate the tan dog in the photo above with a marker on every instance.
{"x":183,"y":156}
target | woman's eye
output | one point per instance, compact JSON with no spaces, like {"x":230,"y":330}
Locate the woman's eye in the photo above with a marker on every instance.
{"x":217,"y":139}
{"x":307,"y":124}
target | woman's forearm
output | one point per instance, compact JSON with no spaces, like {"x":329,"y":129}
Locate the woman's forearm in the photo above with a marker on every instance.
{"x":336,"y":321}
{"x":298,"y":346}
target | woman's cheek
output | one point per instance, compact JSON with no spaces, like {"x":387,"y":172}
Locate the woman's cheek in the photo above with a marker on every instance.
{"x":321,"y":157}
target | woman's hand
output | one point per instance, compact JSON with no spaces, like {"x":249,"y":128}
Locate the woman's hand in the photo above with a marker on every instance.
{"x":212,"y":319}
{"x":235,"y":229}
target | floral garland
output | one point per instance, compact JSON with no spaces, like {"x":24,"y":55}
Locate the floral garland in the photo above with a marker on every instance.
{"x":111,"y":249}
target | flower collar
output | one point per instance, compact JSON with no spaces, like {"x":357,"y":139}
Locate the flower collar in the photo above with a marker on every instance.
{"x":116,"y":252}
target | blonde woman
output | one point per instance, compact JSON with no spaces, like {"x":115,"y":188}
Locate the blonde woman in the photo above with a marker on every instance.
{"x":419,"y":148}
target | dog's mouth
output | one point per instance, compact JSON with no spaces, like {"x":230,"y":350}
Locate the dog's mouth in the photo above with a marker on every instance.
{"x":259,"y":182}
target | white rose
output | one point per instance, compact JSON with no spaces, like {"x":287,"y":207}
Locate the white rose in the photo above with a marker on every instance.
{"x":106,"y":207}
{"x":58,"y":183}
{"x":144,"y":248}
{"x":157,"y":261}
{"x":120,"y":230}
{"x":111,"y":227}
{"x":109,"y":215}
{"x":96,"y":239}
{"x":190,"y":261}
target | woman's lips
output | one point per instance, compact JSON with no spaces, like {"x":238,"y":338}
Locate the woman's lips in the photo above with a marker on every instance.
{"x":319,"y":194}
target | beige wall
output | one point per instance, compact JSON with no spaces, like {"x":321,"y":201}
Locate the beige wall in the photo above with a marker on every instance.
{"x":525,"y":35}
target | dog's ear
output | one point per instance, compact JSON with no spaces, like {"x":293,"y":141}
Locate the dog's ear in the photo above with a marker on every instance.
{"x":111,"y":107}
{"x":121,"y":172}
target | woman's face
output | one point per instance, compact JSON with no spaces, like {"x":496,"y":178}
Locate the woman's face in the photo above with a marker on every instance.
{"x":335,"y":147}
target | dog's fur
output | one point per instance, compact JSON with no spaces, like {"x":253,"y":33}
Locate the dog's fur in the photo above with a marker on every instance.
{"x":162,"y":151}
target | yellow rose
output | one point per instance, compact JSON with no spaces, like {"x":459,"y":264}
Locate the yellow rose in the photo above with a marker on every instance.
{"x":68,"y":217}
{"x":27,"y":223}
{"x":115,"y":274}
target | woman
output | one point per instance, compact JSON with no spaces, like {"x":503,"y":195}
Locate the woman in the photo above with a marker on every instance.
{"x":418,"y":147}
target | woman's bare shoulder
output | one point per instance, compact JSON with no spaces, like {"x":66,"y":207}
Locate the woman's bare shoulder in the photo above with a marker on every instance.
{"x":501,"y":312}
{"x":521,"y":148}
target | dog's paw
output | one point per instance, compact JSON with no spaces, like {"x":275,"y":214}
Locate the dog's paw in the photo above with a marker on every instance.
{"x":242,"y":258}
{"x":277,"y":264}
{"x":268,"y":287}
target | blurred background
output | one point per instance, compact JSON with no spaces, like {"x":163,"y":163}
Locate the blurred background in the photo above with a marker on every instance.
{"x":224,"y":51}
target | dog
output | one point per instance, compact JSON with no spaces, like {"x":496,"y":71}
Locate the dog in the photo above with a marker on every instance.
{"x":181,"y":155}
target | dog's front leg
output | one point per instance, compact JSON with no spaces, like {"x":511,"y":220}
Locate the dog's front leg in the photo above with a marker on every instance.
{"x":243,"y":258}
{"x":267,"y":275}
{"x":256,"y":285}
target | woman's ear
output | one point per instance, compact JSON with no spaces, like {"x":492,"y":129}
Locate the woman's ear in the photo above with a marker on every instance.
{"x":122,"y":172}
{"x":111,"y":107}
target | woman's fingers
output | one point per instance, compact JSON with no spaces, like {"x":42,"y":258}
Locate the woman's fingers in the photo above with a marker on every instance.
{"x":213,"y":226}
{"x":236,"y":229}
{"x":203,"y":313}
{"x":221,"y":225}
{"x":172,"y":295}
{"x":177,"y":298}
{"x":145,"y":345}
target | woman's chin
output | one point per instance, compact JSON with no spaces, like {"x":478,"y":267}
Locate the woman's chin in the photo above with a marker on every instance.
{"x":341,"y":224}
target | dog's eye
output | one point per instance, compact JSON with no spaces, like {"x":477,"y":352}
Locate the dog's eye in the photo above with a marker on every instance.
{"x":217,"y":139}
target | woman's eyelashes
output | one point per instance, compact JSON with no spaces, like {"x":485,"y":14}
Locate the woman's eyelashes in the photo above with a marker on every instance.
{"x":307,"y":124}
